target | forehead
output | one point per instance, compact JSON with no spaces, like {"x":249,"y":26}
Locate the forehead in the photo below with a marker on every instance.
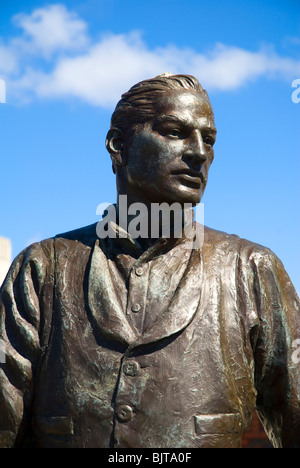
{"x":189,"y":106}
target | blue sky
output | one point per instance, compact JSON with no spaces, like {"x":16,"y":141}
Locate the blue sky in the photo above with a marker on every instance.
{"x":65,"y":65}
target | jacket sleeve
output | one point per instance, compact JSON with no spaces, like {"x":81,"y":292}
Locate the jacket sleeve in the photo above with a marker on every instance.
{"x":277,"y":361}
{"x":25,"y":297}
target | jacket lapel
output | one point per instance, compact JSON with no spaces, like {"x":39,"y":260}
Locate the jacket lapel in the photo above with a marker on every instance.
{"x":103,"y":301}
{"x":183,"y":306}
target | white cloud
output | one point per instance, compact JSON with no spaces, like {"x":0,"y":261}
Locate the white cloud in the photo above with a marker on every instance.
{"x":107,"y":69}
{"x":8,"y":60}
{"x":50,"y":29}
{"x":99,"y":71}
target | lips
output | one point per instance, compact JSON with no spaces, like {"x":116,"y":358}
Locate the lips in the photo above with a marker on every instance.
{"x":193,"y":178}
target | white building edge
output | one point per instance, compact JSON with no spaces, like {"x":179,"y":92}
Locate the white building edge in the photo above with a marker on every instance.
{"x":5,"y":257}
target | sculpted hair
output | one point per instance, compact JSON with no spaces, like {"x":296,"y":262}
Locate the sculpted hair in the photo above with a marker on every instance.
{"x":137,"y":105}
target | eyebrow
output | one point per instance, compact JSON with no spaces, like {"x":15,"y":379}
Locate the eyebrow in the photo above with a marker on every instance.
{"x":173,"y":118}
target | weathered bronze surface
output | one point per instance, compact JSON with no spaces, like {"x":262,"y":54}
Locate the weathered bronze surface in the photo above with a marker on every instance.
{"x":122,"y":342}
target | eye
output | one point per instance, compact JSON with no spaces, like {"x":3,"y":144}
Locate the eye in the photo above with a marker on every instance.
{"x":170,"y":129}
{"x":174,"y":132}
{"x":209,"y":140}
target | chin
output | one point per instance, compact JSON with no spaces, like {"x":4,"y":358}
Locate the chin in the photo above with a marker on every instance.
{"x":190,"y":196}
{"x":182,"y":198}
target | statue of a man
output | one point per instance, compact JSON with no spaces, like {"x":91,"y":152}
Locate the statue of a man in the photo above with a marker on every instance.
{"x":145,"y":342}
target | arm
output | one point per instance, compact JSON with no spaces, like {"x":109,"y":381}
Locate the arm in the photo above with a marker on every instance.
{"x":277,"y":372}
{"x":23,"y":325}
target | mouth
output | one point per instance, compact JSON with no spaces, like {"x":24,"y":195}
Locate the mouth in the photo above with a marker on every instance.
{"x":193,"y":179}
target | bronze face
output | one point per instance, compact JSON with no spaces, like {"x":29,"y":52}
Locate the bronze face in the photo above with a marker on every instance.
{"x":167,"y":159}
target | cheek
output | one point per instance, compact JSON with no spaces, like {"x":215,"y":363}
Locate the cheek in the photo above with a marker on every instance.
{"x":206,"y":166}
{"x":210,"y":159}
{"x":149,"y":154}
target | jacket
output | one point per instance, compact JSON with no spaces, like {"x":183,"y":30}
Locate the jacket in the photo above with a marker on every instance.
{"x":109,"y":346}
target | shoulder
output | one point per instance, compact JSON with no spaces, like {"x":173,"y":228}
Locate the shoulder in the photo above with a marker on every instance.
{"x":86,"y":234}
{"x":75,"y":245}
{"x":251,"y":258}
{"x":44,"y":251}
{"x":84,"y":237}
{"x":244,"y":247}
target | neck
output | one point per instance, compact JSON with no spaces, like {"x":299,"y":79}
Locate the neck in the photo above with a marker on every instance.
{"x":149,"y":221}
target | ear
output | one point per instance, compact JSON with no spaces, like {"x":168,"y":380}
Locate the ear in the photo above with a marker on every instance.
{"x":114,"y":145}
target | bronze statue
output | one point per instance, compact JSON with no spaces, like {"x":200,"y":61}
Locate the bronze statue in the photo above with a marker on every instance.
{"x":146,"y":342}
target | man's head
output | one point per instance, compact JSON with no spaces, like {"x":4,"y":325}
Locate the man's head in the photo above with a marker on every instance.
{"x":160,"y":140}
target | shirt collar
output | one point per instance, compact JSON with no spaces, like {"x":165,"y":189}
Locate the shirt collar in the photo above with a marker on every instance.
{"x":122,"y":240}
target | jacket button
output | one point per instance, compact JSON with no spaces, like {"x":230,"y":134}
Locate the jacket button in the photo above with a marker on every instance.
{"x":131,"y":368}
{"x":135,"y":307}
{"x":125,"y":413}
{"x":139,"y":271}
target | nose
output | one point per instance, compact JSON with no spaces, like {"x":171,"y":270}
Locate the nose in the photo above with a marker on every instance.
{"x":196,"y":150}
